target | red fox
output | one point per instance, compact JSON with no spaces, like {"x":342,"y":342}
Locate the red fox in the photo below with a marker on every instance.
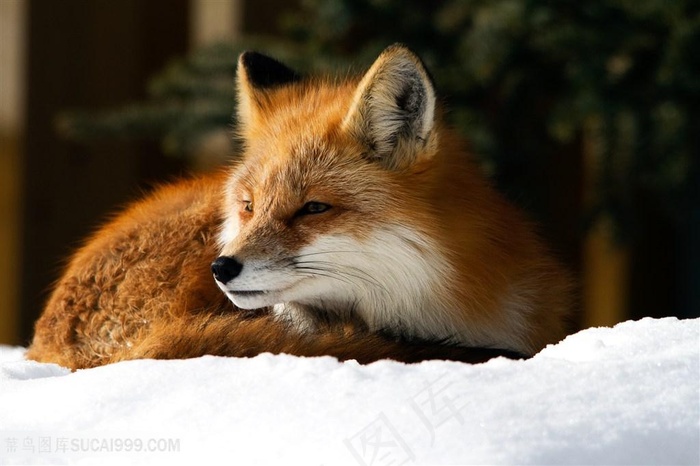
{"x":354,"y":224}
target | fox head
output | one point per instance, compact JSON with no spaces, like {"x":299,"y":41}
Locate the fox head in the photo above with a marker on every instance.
{"x":329,"y":213}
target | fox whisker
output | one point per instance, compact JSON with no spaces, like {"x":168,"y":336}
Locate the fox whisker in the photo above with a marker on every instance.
{"x":311,"y":271}
{"x":333,"y":268}
{"x":302,"y":256}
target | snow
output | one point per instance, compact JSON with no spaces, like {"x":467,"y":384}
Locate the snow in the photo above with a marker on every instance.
{"x":623,"y":395}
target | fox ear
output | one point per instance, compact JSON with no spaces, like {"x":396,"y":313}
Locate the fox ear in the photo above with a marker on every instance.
{"x":256,"y":74}
{"x":393,"y":108}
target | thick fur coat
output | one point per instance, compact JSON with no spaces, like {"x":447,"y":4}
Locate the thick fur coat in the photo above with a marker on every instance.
{"x":353,"y":225}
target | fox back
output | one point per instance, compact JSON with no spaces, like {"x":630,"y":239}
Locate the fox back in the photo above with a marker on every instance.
{"x":353,"y":202}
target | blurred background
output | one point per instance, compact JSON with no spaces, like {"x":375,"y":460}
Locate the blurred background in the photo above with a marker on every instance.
{"x":587,"y":114}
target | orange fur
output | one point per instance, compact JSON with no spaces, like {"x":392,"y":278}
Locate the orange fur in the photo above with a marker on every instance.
{"x":142,"y":286}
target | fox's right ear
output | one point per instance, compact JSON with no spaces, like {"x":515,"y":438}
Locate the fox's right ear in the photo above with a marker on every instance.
{"x":256,"y":75}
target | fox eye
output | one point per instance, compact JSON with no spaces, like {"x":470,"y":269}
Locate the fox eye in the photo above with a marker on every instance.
{"x":248,"y":206}
{"x":313,"y":207}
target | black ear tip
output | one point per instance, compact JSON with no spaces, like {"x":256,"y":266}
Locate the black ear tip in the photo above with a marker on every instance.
{"x":250,"y":58}
{"x":264,"y":71}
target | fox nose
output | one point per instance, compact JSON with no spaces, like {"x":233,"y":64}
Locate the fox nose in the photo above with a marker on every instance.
{"x":226,"y":268}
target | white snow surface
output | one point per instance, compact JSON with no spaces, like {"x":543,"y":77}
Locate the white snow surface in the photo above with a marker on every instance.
{"x":623,"y":395}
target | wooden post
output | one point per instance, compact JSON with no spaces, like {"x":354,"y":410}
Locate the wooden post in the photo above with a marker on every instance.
{"x":605,"y":276}
{"x":12,"y":15}
{"x":215,"y":20}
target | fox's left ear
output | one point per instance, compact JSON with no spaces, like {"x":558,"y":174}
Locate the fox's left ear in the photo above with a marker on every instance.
{"x":256,"y":75}
{"x":393,"y":108}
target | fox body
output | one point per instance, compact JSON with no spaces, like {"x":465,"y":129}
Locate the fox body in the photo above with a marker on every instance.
{"x":353,"y":224}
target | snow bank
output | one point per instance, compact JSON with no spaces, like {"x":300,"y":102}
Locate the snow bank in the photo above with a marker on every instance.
{"x":623,"y":395}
